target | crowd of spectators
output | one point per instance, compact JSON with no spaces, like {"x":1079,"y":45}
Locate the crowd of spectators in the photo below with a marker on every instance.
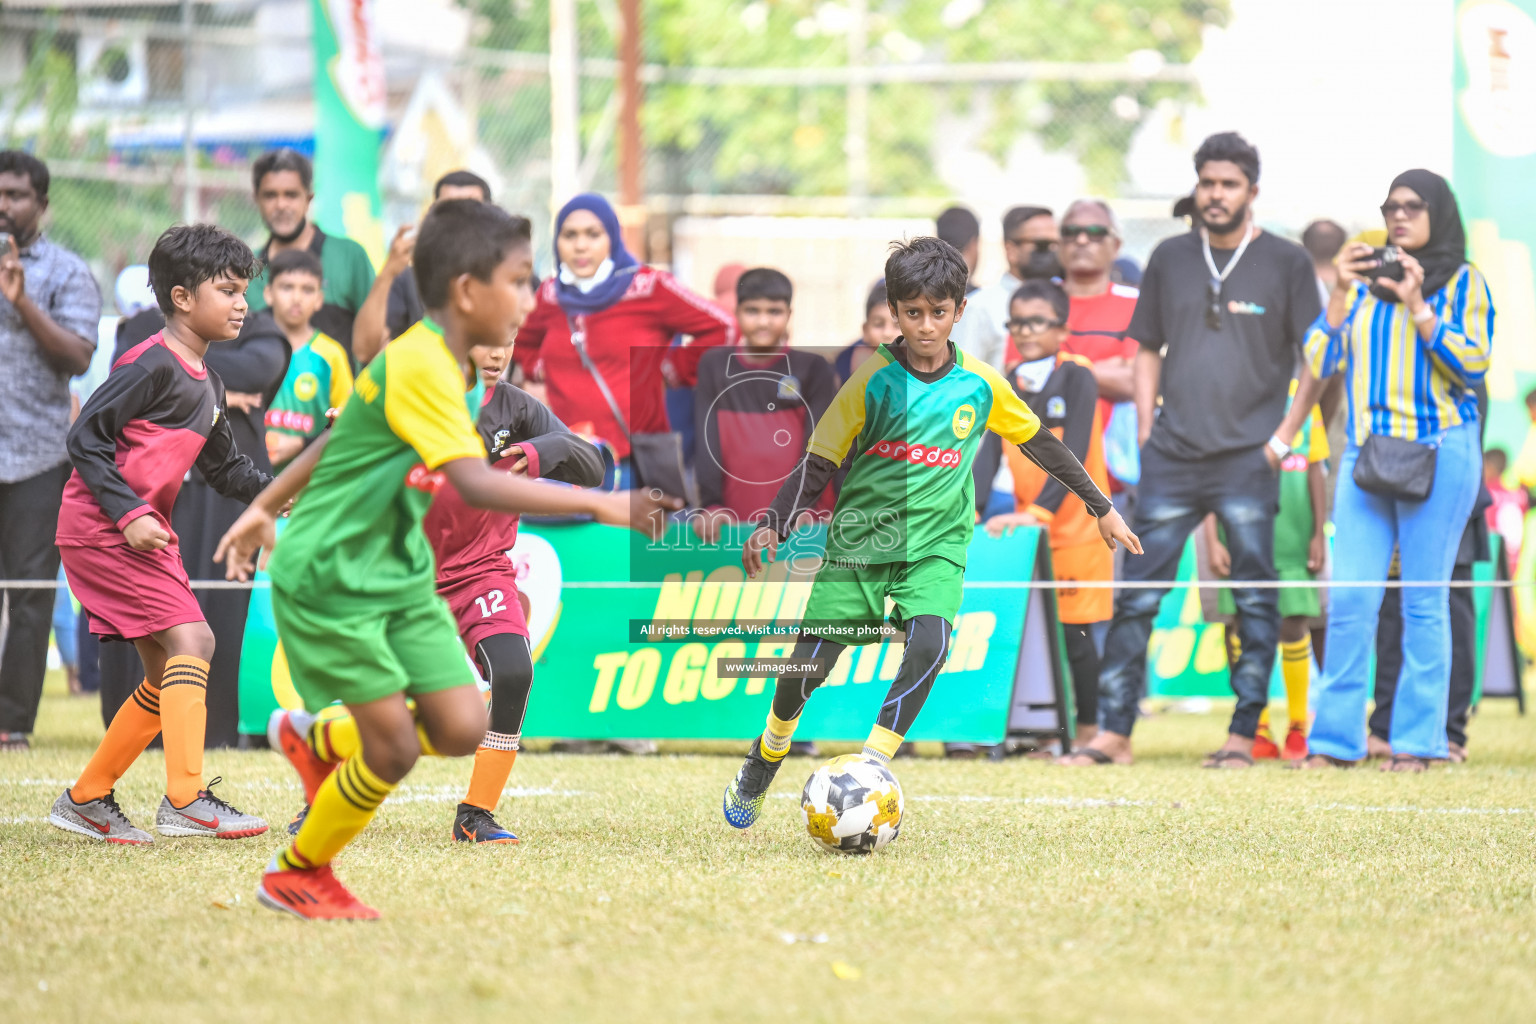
{"x":1187,"y":398}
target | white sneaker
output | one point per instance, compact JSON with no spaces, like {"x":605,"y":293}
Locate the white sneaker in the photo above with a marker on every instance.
{"x":100,"y":819}
{"x":207,"y":816}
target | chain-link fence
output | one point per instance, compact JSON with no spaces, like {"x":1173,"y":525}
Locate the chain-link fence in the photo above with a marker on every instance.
{"x":149,"y":113}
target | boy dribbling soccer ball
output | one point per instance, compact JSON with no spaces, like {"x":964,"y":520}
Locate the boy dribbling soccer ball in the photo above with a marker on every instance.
{"x":913,"y":413}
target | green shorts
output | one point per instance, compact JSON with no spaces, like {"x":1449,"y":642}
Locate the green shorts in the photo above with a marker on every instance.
{"x":848,"y":605}
{"x":363,"y":655}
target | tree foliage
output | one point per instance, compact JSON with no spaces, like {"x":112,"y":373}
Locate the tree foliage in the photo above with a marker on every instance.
{"x":777,"y":139}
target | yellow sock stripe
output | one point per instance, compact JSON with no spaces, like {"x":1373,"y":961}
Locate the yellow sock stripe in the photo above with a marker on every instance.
{"x":883,"y":741}
{"x":362,"y":788}
{"x":776,"y":736}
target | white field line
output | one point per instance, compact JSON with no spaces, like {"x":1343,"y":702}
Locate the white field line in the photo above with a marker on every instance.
{"x":454,"y":794}
{"x":1073,"y":802}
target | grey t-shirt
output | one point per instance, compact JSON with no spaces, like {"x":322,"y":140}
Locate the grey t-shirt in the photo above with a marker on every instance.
{"x":1224,"y":390}
{"x":34,"y":394}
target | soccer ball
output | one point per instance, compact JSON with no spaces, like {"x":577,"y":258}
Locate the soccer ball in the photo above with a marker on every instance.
{"x":852,"y":805}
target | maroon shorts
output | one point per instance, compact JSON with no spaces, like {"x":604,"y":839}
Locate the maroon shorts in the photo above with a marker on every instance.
{"x":130,"y":594}
{"x":484,"y":605}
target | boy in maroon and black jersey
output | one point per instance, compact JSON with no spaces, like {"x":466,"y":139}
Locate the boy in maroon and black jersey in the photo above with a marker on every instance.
{"x":159,"y":413}
{"x":755,"y":407}
{"x":479,"y":583}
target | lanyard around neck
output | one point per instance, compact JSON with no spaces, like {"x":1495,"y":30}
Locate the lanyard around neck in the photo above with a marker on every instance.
{"x":1220,"y":277}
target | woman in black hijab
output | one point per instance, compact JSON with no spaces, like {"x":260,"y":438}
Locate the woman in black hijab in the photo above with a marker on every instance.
{"x":1411,"y":327}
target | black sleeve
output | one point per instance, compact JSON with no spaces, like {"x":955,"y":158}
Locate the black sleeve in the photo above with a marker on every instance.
{"x":1046,"y":451}
{"x":253,"y":364}
{"x":984,"y":468}
{"x":1147,"y":321}
{"x":819,"y":388}
{"x":1304,"y":302}
{"x":92,"y":439}
{"x":800,"y":492}
{"x":1081,"y":394}
{"x":227,"y":471}
{"x":403,"y":307}
{"x":562,"y":455}
{"x":706,"y":431}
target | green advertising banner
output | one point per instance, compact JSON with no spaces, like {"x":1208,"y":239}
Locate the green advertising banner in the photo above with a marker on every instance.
{"x":603,"y":672}
{"x":349,"y":121}
{"x":1493,"y":164}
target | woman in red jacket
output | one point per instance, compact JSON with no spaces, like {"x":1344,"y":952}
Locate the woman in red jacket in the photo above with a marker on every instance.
{"x":623,"y":315}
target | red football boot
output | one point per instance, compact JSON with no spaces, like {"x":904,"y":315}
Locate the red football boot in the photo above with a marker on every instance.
{"x":314,"y":894}
{"x":284,"y":733}
{"x":1264,"y":748}
{"x":1295,"y":744}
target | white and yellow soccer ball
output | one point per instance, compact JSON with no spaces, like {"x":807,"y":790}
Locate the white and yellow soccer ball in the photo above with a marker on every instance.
{"x":852,"y":805}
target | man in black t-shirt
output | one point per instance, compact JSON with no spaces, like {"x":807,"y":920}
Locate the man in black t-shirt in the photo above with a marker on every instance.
{"x":1221,"y":318}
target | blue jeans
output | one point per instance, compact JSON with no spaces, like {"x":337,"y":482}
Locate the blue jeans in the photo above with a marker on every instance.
{"x":64,"y":623}
{"x":1427,"y":533}
{"x":1173,"y":497}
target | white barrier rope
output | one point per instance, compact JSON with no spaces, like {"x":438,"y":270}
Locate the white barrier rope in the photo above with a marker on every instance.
{"x":969,"y":584}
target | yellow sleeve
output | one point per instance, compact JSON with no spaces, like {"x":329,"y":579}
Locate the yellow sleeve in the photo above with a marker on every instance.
{"x":424,"y":402}
{"x":1317,"y":446}
{"x":341,"y":369}
{"x":844,"y":418}
{"x":1009,"y":418}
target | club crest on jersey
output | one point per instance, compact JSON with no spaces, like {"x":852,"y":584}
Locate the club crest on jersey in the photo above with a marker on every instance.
{"x":789,"y":387}
{"x":305,"y":385}
{"x":916,"y":454}
{"x":1056,"y":407}
{"x":420,"y":478}
{"x":500,"y":440}
{"x":963,"y":420}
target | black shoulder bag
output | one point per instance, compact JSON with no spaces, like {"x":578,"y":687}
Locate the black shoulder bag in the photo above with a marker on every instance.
{"x":657,"y":458}
{"x":1390,"y":466}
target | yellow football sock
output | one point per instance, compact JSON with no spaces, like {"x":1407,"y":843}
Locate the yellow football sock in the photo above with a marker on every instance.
{"x":1263,"y":722}
{"x":1296,"y":670}
{"x":132,"y":729}
{"x":493,"y":766}
{"x":776,"y":736}
{"x":344,"y":805}
{"x":184,"y":721}
{"x":882,"y":744}
{"x":335,"y":739}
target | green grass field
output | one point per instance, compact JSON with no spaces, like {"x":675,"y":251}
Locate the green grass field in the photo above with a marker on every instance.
{"x":1017,"y":891}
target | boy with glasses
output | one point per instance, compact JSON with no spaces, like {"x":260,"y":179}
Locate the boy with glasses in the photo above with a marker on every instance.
{"x":1060,"y":389}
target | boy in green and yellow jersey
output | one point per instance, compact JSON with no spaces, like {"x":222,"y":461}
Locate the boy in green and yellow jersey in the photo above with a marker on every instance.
{"x":354,"y":579}
{"x":912,"y":415}
{"x":319,"y":376}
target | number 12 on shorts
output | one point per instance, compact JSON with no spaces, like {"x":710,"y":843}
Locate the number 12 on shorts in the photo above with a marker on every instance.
{"x":490,"y":603}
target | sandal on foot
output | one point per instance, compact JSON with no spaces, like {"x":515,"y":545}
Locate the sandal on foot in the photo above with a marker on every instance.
{"x":1406,"y":763}
{"x":1094,"y":754}
{"x":1227,"y":759}
{"x":1319,"y":761}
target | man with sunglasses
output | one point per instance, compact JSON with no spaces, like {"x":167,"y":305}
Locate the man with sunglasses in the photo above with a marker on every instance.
{"x":1029,"y":245}
{"x":1220,"y":321}
{"x":1097,"y":328}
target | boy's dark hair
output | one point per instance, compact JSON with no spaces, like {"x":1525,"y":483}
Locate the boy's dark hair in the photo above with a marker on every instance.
{"x":284,"y":159}
{"x":189,"y":254}
{"x":1233,"y":147}
{"x":764,"y":283}
{"x":957,"y":226}
{"x":1015,"y":218}
{"x":294,"y":261}
{"x":463,"y":179}
{"x":463,"y":236}
{"x":876,"y":299}
{"x":17,"y":161}
{"x":1497,"y":459}
{"x":1530,"y":398}
{"x":1043,"y":288}
{"x":928,"y":267}
{"x":1323,"y":239}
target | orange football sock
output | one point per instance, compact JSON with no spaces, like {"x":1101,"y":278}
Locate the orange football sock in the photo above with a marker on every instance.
{"x":493,"y":766}
{"x":132,"y":729}
{"x":184,"y":720}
